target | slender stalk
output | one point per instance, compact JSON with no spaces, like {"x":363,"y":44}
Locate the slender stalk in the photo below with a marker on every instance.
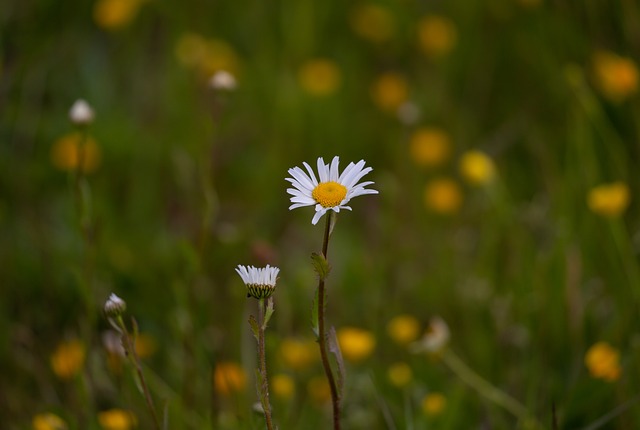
{"x":482,"y":386}
{"x":264,"y":386}
{"x":129,"y":347}
{"x":322,"y":334}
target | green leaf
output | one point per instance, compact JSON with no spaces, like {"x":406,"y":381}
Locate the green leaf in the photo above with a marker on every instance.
{"x":334,"y":348}
{"x":269,"y":311}
{"x":314,"y":315}
{"x":255,"y":329}
{"x":320,"y":265}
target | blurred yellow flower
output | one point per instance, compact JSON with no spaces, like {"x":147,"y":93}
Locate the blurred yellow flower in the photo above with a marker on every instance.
{"x":319,"y":77}
{"x":443,"y":196}
{"x":68,"y":359}
{"x":318,"y":390}
{"x":115,"y":14}
{"x":477,"y":168}
{"x":229,"y":378}
{"x":437,"y":35}
{"x":298,"y":354}
{"x":356,"y":344}
{"x":403,"y":329}
{"x":429,"y":146}
{"x":117,"y":419}
{"x":390,"y":91}
{"x":206,"y":56}
{"x":145,"y":345}
{"x":48,"y":421}
{"x":603,"y":362}
{"x":399,"y":374}
{"x":615,"y":76}
{"x":609,"y":200}
{"x":282,"y":386}
{"x":433,"y":404}
{"x":372,"y":22}
{"x":67,"y":152}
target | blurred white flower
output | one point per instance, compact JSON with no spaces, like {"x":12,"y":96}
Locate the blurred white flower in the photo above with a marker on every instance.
{"x":333,"y":191}
{"x":223,"y":80}
{"x":435,"y":339}
{"x":260,"y":282}
{"x":81,"y":113}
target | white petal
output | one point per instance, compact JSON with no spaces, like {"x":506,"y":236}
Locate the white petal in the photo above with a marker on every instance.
{"x":311,"y":174}
{"x":323,"y":170}
{"x":302,"y":178}
{"x":333,"y":171}
{"x":317,"y":216}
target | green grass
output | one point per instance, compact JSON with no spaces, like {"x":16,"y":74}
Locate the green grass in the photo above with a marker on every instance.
{"x":191,"y":184}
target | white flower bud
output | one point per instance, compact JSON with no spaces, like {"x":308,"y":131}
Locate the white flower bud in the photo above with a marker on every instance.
{"x":114,"y":306}
{"x":223,"y":80}
{"x":435,"y":339}
{"x":81,"y":113}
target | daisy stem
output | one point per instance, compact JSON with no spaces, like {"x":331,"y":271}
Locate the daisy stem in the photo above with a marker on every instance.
{"x":264,"y":384}
{"x":322,"y":334}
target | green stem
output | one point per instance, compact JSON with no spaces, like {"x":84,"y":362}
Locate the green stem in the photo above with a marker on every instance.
{"x":129,"y":346}
{"x":482,"y":386}
{"x":264,"y":386}
{"x":322,"y":334}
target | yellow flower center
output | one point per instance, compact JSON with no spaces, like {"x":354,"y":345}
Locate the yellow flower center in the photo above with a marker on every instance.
{"x":329,"y":194}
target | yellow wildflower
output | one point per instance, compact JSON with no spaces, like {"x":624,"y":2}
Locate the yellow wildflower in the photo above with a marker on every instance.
{"x":443,"y":196}
{"x":68,"y":150}
{"x":298,"y":354}
{"x":319,"y":77}
{"x":115,"y":14}
{"x":356,"y":344}
{"x":429,"y":146}
{"x":603,"y":362}
{"x":48,"y":421}
{"x":433,"y":404}
{"x":616,"y":76}
{"x":399,"y":374}
{"x":372,"y":22}
{"x":68,"y":359}
{"x":477,"y":168}
{"x":403,"y":329}
{"x":228,"y":378}
{"x":117,"y":419}
{"x":206,"y":56}
{"x":390,"y":91}
{"x":282,"y":386}
{"x":609,"y":200}
{"x":318,"y":390}
{"x":437,"y":35}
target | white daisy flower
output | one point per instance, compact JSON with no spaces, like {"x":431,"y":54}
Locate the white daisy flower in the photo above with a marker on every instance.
{"x":260,"y":282}
{"x":333,"y":191}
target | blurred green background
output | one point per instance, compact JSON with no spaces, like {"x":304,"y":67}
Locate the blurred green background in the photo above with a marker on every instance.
{"x":528,"y":249}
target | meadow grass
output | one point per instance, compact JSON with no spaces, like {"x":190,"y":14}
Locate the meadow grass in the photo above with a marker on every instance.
{"x":503,"y":137}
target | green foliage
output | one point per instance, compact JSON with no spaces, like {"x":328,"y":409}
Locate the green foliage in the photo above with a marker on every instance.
{"x":188,"y":182}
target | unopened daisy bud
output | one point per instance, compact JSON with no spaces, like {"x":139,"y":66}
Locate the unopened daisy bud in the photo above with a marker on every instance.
{"x":81,"y":113}
{"x":222,"y":81}
{"x":114,"y":306}
{"x":260,"y":282}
